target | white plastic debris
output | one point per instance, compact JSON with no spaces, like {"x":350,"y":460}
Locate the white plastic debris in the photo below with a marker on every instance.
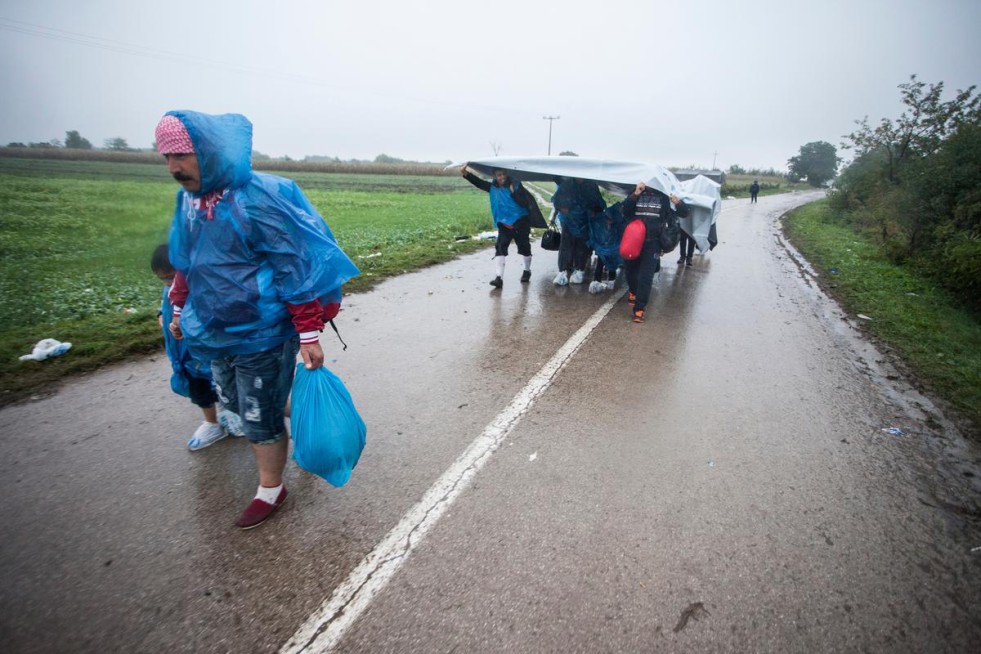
{"x":862,"y":316}
{"x":532,"y":457}
{"x":45,"y":349}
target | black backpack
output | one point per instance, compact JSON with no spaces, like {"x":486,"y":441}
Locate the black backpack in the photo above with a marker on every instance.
{"x":670,"y":233}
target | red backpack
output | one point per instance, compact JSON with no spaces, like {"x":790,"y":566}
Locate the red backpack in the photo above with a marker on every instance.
{"x":633,"y":240}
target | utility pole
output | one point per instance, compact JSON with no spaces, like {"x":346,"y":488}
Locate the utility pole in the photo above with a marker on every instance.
{"x":714,"y":155}
{"x":550,"y":119}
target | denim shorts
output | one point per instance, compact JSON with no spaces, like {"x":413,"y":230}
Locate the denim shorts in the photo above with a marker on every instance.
{"x":256,"y":386}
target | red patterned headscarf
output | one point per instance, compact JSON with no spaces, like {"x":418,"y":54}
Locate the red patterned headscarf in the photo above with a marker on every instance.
{"x":172,"y":137}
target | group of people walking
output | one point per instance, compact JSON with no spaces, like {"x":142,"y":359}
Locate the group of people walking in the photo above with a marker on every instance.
{"x":252,"y":273}
{"x":588,"y":226}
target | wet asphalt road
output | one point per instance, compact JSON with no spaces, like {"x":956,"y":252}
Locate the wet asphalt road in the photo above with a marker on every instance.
{"x":716,"y":479}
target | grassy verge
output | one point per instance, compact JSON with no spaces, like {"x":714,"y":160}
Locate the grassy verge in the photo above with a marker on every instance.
{"x":75,"y":241}
{"x":939,"y":340}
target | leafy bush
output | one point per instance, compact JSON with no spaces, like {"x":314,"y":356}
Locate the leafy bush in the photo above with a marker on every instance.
{"x":961,"y":268}
{"x":916,"y":184}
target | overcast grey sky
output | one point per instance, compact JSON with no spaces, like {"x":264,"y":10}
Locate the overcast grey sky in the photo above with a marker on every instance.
{"x":666,"y":82}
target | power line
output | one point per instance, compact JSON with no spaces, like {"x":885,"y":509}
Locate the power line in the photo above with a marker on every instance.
{"x":110,"y":45}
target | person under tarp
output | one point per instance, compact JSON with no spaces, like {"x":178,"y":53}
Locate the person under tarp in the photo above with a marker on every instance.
{"x":605,"y":233}
{"x":576,"y":202}
{"x":511,"y":208}
{"x":654,"y":208}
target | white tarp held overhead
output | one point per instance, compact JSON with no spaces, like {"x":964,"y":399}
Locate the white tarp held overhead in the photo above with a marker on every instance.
{"x":620,"y":177}
{"x":703,"y":197}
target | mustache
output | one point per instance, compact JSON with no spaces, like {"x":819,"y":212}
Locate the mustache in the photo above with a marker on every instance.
{"x":181,"y":177}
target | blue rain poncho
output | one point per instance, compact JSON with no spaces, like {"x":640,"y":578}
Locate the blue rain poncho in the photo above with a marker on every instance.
{"x":605,"y":233}
{"x":262,"y":245}
{"x":571,"y":213}
{"x":183,"y":365}
{"x":504,"y":208}
{"x":575,"y":201}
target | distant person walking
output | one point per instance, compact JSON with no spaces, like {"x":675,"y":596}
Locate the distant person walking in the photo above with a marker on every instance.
{"x":509,"y":202}
{"x":654,"y":208}
{"x":258,"y":274}
{"x":754,"y":190}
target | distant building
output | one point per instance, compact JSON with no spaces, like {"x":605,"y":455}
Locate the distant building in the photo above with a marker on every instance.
{"x":717,"y":176}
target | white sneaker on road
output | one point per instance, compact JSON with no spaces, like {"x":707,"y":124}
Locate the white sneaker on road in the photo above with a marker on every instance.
{"x":597,"y":287}
{"x":577,"y":277}
{"x":561,"y":279}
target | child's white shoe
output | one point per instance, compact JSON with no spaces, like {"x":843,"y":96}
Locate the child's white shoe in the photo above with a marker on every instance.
{"x":207,"y":434}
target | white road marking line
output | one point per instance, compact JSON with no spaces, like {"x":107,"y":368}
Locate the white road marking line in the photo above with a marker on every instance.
{"x":325,"y":628}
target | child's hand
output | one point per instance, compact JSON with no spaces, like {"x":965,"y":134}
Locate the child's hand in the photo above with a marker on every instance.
{"x":175,"y":328}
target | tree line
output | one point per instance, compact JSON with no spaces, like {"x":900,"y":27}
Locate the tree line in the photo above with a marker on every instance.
{"x":816,"y":164}
{"x":75,"y":141}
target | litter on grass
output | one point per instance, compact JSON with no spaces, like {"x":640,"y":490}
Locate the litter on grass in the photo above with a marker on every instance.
{"x":45,"y":349}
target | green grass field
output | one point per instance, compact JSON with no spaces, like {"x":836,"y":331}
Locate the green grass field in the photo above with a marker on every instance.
{"x":76,"y":237}
{"x":934,"y":335}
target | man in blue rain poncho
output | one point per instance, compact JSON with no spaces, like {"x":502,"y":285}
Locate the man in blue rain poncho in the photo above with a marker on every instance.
{"x":259,"y":272}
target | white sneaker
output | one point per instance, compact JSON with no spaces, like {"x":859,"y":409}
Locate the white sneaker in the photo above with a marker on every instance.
{"x":577,"y":277}
{"x":207,"y":434}
{"x":561,"y":279}
{"x":611,"y":284}
{"x":597,"y":287}
{"x":231,"y":423}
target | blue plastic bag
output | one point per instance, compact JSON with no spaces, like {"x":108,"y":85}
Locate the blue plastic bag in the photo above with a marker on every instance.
{"x":328,"y":433}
